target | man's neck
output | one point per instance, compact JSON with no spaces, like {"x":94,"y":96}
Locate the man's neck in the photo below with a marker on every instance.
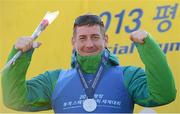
{"x":89,"y":64}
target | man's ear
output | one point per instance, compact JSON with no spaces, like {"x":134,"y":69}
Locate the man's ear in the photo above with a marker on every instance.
{"x":106,"y":40}
{"x":73,"y":41}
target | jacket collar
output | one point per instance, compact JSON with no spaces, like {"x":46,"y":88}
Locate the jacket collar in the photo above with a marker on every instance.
{"x":112,"y":60}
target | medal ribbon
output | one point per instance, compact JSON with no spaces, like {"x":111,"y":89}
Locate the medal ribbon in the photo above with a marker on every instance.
{"x":90,"y":88}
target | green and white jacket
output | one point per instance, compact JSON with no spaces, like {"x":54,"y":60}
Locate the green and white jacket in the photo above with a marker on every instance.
{"x":151,"y":87}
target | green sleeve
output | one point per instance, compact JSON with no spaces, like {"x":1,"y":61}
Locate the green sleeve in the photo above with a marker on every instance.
{"x":32,"y":95}
{"x":155,"y":86}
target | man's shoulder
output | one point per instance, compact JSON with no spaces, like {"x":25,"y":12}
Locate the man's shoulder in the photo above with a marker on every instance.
{"x":132,"y":74}
{"x":132,"y":70}
{"x":48,"y":76}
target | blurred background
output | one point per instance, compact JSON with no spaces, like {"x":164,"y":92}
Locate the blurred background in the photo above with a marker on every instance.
{"x":158,"y":17}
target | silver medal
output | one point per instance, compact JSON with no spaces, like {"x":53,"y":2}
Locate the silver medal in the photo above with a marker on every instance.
{"x":89,"y":105}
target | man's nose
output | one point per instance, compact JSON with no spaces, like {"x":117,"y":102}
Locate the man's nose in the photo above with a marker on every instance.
{"x":89,"y":43}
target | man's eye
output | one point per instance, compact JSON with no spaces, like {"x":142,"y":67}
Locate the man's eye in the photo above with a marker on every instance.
{"x":82,"y":38}
{"x":95,"y":37}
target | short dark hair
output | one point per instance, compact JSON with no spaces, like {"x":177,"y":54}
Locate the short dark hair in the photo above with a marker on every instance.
{"x":90,"y":20}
